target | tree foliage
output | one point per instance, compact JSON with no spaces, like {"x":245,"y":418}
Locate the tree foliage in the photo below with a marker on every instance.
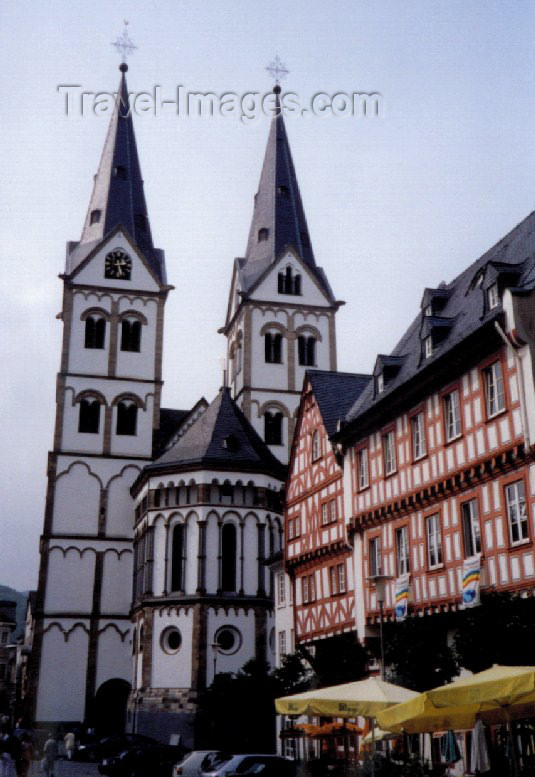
{"x":501,"y":630}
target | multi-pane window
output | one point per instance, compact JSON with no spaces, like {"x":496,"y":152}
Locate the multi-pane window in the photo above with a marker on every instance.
{"x":273,"y":428}
{"x":494,"y":393}
{"x":374,"y":556}
{"x":380,"y":382}
{"x":95,"y":332}
{"x":493,"y":296}
{"x":389,"y":452}
{"x":308,"y":588}
{"x":316,"y":445}
{"x":434,"y":541}
{"x":332,"y":510}
{"x":402,"y":551}
{"x":333,"y":581}
{"x":273,"y":347}
{"x":324,"y":513}
{"x":419,"y":447}
{"x":126,"y":417}
{"x":341,"y":575}
{"x":89,"y":418}
{"x":282,"y":643}
{"x":516,"y":511}
{"x":306,"y":350}
{"x":428,"y":346}
{"x":288,"y":283}
{"x":281,"y":588}
{"x":362,"y":464}
{"x":131,"y":335}
{"x":471,"y":530}
{"x":452,"y":415}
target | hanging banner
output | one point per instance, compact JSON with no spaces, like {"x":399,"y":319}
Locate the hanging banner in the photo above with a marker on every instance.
{"x":401,"y":595}
{"x":471,"y":581}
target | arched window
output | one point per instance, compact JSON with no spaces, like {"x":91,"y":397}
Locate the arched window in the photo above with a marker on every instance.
{"x":89,"y":417}
{"x":288,"y":282}
{"x":131,"y":334}
{"x":95,"y":217}
{"x":228,"y":557}
{"x":263,"y":234}
{"x":273,"y":428}
{"x":306,"y":347}
{"x":177,"y":558}
{"x":126,"y":417}
{"x":273,"y":347}
{"x":95,"y":331}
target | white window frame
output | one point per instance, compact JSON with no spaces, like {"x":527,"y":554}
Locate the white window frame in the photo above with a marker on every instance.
{"x":374,"y":556}
{"x":517,"y":516}
{"x":402,"y":550}
{"x":389,"y":452}
{"x":494,"y":389}
{"x":312,"y":588}
{"x":428,"y":346}
{"x":333,"y":580}
{"x":363,"y":469}
{"x":316,"y":445}
{"x":419,"y":447}
{"x":304,"y":589}
{"x":282,"y":644}
{"x":324,"y":513}
{"x":332,"y":511}
{"x":281,"y":588}
{"x":434,"y":541}
{"x":471,"y":528}
{"x":493,"y":296}
{"x":380,"y":383}
{"x":341,"y":577}
{"x":452,"y":415}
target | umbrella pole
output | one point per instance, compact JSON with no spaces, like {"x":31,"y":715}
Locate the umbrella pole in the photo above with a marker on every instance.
{"x":373,"y":746}
{"x":509,"y":727}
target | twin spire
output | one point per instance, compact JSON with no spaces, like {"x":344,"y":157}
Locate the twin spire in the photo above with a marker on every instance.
{"x":118,"y":199}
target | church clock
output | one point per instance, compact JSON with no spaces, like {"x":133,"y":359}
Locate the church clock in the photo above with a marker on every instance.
{"x":118,"y":265}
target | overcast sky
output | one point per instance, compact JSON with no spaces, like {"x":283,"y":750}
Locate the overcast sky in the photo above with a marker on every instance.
{"x":394,"y":204}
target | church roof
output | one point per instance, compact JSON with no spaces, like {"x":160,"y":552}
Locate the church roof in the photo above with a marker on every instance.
{"x":220,"y":438}
{"x":335,"y":393}
{"x":118,"y":198}
{"x":451,"y":314}
{"x":278,"y":208}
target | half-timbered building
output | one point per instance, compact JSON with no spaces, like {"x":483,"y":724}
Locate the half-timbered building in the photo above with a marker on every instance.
{"x":439,"y":473}
{"x":318,"y":555}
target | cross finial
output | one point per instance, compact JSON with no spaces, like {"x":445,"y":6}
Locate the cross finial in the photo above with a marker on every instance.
{"x":277,"y":70}
{"x":123,"y":44}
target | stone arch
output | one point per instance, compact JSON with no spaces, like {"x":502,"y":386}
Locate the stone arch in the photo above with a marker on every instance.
{"x":108,"y":710}
{"x":310,"y":330}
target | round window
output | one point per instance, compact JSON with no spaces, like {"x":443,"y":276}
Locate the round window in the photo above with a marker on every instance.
{"x":228,"y":639}
{"x":171,"y":640}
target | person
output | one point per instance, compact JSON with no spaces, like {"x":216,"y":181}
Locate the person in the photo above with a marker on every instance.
{"x":9,"y":751}
{"x":24,"y":761}
{"x":50,"y":751}
{"x":70,"y":743}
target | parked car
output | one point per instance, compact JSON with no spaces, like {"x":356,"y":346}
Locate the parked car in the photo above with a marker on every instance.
{"x":143,"y":761}
{"x":251,"y":763}
{"x":104,"y":748}
{"x":198,"y":760}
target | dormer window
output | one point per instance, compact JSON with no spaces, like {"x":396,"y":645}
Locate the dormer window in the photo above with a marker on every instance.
{"x":283,"y":190}
{"x":428,"y":346}
{"x":380,"y":383}
{"x":263,"y":234}
{"x":493,"y":296}
{"x":94,"y":218}
{"x":120,"y":172}
{"x":428,"y":310}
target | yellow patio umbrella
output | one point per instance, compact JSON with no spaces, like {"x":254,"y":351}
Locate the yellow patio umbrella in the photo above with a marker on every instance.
{"x":364,"y":697}
{"x":496,"y":695}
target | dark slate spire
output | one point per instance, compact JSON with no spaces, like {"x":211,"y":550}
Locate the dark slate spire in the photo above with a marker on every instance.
{"x":278,"y":207}
{"x":118,"y":198}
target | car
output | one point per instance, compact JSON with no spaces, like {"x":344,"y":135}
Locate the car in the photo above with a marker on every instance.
{"x":198,"y":760}
{"x":253,"y":763}
{"x":143,"y":761}
{"x":104,"y":748}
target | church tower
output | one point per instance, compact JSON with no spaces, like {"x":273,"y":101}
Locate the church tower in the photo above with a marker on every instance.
{"x":108,"y":404}
{"x":281,"y":309}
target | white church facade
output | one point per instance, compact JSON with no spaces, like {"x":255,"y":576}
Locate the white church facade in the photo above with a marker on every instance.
{"x":159,"y":523}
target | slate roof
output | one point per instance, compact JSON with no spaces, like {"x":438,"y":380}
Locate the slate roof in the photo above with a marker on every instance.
{"x":118,"y":191}
{"x":170,"y":422}
{"x":279,"y":209}
{"x":462,"y":310}
{"x":335,"y":393}
{"x":221,"y":438}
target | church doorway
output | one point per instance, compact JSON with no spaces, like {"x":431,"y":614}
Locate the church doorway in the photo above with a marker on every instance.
{"x":109,"y":707}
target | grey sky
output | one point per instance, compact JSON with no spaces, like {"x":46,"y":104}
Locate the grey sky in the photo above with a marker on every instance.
{"x":393,"y":204}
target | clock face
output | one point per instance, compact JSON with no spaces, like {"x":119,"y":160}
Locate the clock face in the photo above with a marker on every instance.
{"x":118,"y":265}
